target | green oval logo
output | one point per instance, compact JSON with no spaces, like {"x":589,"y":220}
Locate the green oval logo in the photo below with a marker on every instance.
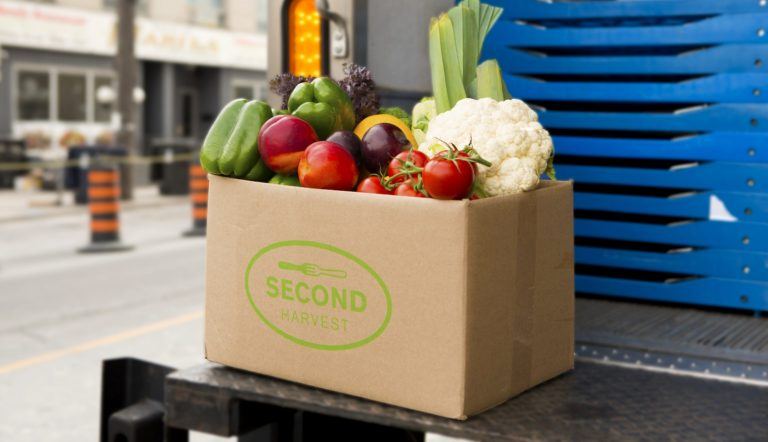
{"x":317,"y":295}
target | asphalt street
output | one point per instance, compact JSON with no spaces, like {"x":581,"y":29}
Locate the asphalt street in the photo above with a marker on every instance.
{"x":62,"y":313}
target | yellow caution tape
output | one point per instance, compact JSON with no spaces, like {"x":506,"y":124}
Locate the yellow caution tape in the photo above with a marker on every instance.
{"x":99,"y":159}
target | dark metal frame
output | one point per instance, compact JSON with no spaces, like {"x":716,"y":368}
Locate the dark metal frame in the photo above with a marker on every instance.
{"x":594,"y":402}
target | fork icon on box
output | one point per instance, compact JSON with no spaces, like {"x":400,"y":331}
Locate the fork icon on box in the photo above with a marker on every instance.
{"x":309,"y":269}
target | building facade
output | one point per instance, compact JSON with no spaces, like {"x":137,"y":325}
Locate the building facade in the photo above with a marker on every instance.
{"x":58,"y":82}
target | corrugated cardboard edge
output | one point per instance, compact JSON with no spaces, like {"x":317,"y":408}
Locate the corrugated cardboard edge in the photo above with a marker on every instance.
{"x":461,"y":415}
{"x":555,"y":324}
{"x":521,"y":343}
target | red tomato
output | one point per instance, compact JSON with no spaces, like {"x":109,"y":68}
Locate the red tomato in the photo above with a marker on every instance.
{"x":466,"y":155}
{"x":448,"y":179}
{"x":372,"y":184}
{"x":417,"y":158}
{"x":406,"y":189}
{"x":326,"y":165}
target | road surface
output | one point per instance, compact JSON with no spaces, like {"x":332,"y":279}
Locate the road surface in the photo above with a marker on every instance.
{"x":61,"y":313}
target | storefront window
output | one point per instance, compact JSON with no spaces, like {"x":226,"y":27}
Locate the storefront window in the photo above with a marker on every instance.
{"x":262,"y":16}
{"x":102,"y":111}
{"x":206,"y":12}
{"x":34,"y":95}
{"x":71,"y":101}
{"x":251,"y":90}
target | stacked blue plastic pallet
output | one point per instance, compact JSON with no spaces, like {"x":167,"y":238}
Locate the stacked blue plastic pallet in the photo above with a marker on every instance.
{"x":659,"y":110}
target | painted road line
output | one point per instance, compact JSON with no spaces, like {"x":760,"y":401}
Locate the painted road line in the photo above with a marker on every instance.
{"x":107,"y":340}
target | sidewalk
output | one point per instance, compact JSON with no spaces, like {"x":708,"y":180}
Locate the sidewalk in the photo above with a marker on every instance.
{"x":24,"y":205}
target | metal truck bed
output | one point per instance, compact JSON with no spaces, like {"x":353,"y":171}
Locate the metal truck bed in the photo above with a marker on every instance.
{"x":643,"y":372}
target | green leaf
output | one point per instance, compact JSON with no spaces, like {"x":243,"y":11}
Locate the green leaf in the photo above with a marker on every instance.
{"x":397,"y":112}
{"x":550,"y":170}
{"x":490,"y":84}
{"x":507,"y":95}
{"x":472,"y":89}
{"x":423,"y":112}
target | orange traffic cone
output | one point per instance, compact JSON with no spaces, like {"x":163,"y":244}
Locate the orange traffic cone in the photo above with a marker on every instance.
{"x":103,"y":195}
{"x":198,"y":191}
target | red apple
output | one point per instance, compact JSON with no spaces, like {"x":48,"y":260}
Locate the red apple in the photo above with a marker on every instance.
{"x":326,"y":165}
{"x":282,"y":140}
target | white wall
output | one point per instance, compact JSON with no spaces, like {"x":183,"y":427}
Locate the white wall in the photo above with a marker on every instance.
{"x":82,"y":4}
{"x":169,"y":10}
{"x":241,"y":15}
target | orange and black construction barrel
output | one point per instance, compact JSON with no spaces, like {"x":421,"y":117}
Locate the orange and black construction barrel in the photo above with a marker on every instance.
{"x":103,"y":196}
{"x":198,"y":191}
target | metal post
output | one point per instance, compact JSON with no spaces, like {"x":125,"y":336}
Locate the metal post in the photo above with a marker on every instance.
{"x":127,"y":71}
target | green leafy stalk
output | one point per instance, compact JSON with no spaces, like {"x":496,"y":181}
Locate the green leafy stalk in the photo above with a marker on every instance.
{"x":490,"y":84}
{"x":465,"y":23}
{"x":439,"y":87}
{"x":486,"y":16}
{"x":455,"y":43}
{"x":451,"y":62}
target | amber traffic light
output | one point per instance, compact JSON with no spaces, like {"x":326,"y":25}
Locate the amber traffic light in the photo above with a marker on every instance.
{"x":304,"y":38}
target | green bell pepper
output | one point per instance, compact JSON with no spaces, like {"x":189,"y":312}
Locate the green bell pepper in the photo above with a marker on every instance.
{"x":218,"y":135}
{"x":324,"y":105}
{"x":285,"y":180}
{"x":241,"y":151}
{"x":328,"y":91}
{"x":303,"y":93}
{"x":231,"y":147}
{"x":259,"y":172}
{"x":321,"y":116}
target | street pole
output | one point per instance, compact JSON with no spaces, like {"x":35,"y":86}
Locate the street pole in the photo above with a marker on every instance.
{"x":127,"y":68}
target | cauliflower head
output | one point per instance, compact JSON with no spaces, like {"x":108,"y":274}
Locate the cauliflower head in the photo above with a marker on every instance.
{"x":506,"y":133}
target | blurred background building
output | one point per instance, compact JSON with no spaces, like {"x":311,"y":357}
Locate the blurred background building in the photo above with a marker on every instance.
{"x":57,"y":76}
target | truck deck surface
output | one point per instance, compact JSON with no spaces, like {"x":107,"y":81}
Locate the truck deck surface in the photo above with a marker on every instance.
{"x":684,"y":331}
{"x":643,"y":372}
{"x":593,"y":402}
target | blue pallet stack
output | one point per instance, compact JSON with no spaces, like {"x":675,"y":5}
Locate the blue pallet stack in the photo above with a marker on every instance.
{"x":659,"y":111}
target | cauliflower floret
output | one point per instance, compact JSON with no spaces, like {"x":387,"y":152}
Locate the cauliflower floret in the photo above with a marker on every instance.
{"x":506,"y":133}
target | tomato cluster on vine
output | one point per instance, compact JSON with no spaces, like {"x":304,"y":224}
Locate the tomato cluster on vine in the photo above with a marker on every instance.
{"x":450,"y":174}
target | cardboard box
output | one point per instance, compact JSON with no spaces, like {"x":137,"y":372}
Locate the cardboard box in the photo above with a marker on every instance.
{"x":447,"y":307}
